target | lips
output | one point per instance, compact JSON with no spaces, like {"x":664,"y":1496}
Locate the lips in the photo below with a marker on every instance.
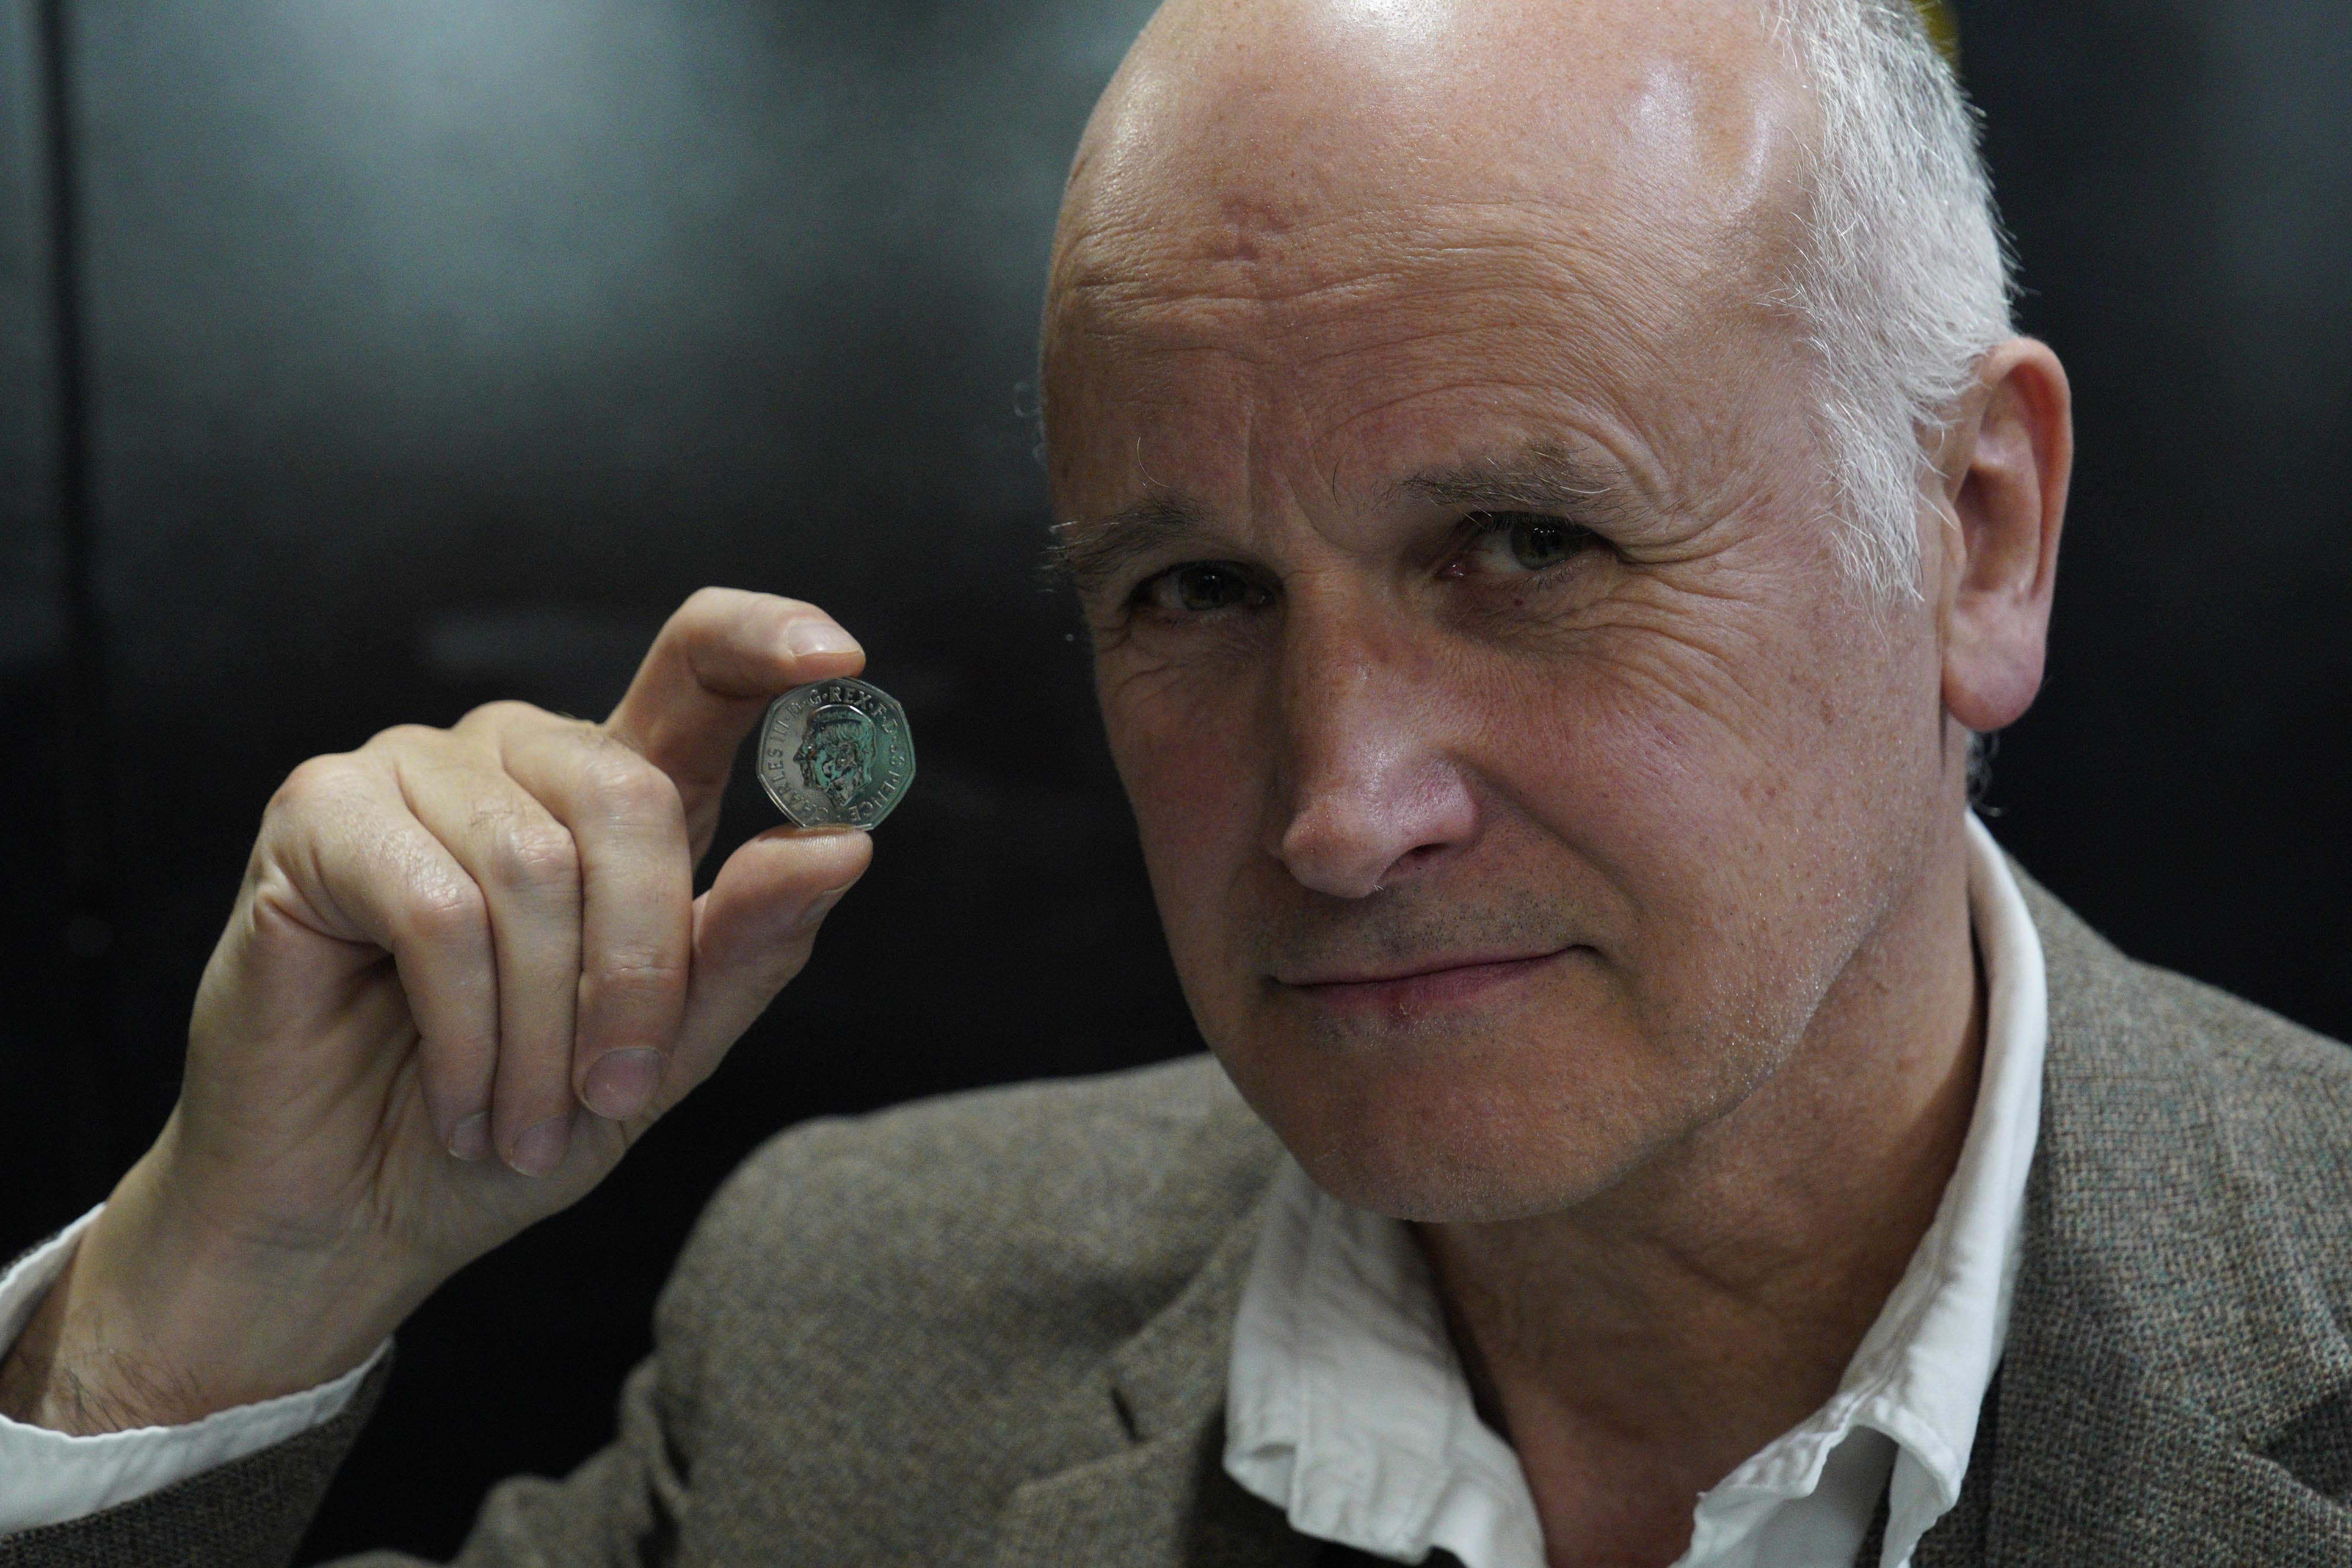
{"x":1421,"y":988}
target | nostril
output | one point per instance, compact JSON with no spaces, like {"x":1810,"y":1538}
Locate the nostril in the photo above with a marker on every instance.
{"x":1414,"y":859}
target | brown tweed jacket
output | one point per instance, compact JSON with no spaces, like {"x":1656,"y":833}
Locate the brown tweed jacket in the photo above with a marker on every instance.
{"x":993,"y":1329}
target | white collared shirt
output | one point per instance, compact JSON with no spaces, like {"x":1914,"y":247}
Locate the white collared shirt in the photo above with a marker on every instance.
{"x":1347,"y":1408}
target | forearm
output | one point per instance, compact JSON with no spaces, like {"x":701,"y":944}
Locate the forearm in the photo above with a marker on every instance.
{"x":40,"y":1385}
{"x":153,"y":1322}
{"x":49,"y":1480}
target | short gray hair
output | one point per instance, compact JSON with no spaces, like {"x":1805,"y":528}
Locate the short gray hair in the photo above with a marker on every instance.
{"x":1905,"y":277}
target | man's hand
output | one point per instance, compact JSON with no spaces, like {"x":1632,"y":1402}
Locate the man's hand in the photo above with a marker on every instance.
{"x":466,"y":970}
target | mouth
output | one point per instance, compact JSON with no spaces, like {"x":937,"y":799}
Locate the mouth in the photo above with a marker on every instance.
{"x":1418,"y":987}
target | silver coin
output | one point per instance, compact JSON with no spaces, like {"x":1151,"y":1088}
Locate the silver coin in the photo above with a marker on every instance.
{"x":835,"y":753}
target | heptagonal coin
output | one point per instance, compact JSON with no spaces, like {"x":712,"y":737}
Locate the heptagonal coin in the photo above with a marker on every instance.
{"x":835,"y":753}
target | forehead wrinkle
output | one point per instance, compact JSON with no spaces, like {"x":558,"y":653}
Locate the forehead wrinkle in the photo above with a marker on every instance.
{"x":1424,"y":248}
{"x":1387,"y":288}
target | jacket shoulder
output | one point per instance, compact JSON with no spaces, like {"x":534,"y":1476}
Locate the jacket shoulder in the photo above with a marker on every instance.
{"x":2259,"y":1068}
{"x":2279,"y":1096}
{"x":2177,"y":1329}
{"x":2174,"y":1111}
{"x":922,"y":1304}
{"x":1127,"y":1178}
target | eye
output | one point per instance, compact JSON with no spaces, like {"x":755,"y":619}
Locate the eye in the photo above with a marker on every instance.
{"x":1200,"y":588}
{"x":1522,"y":541}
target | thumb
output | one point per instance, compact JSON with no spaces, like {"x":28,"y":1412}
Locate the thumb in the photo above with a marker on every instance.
{"x":752,"y":932}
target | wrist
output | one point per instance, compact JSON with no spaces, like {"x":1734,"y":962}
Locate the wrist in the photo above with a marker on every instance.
{"x":159,"y":1319}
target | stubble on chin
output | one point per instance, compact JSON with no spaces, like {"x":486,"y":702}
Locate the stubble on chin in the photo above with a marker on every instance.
{"x":1570,"y":1086}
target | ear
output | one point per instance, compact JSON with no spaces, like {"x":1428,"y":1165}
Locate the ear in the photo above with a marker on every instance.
{"x":2005,"y":469}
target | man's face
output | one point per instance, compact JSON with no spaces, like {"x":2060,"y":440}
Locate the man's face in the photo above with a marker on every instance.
{"x":837,"y":752}
{"x":1516,"y":770}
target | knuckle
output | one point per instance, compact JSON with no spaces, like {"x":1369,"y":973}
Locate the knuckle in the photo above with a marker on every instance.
{"x":318,"y":783}
{"x":724,"y":615}
{"x":404,"y":738}
{"x":539,"y":857}
{"x":768,"y":615}
{"x":505,"y":714}
{"x":706,"y":613}
{"x":445,"y":911}
{"x":624,"y":786}
{"x":632,"y":976}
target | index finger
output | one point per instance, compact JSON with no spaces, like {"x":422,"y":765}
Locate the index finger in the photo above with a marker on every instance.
{"x":708,"y":676}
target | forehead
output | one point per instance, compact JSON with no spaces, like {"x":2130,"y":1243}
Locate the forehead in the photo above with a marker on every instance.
{"x":1297,"y":210}
{"x":1544,"y":98}
{"x":1347,"y":343}
{"x":1325,"y":359}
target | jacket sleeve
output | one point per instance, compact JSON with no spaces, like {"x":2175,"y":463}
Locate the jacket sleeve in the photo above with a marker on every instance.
{"x":247,"y":1513}
{"x":621,"y":1509}
{"x":616,"y":1511}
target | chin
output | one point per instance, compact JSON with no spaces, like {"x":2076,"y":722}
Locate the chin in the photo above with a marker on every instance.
{"x":1470,"y":1131}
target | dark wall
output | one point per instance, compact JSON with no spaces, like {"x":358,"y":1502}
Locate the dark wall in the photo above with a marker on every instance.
{"x":374,"y":360}
{"x":2178,"y":177}
{"x":435,"y":353}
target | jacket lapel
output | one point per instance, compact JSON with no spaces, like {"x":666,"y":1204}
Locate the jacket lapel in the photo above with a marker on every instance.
{"x":2166,"y":1327}
{"x":1165,"y":1501}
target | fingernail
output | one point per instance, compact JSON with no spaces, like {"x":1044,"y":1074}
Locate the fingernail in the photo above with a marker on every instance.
{"x":621,"y":1081}
{"x":469,"y":1140}
{"x":540,"y":1149}
{"x":807,"y":638}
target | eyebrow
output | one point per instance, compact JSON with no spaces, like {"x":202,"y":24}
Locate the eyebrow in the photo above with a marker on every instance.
{"x":1092,"y":551}
{"x":1538,"y":478}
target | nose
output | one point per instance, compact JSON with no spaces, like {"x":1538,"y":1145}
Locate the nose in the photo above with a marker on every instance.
{"x":1368,"y":792}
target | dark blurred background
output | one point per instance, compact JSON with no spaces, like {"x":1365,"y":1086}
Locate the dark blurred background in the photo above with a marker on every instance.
{"x":361,"y":359}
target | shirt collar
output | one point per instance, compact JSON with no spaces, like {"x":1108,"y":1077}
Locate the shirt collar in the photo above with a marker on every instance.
{"x":1347,"y":1408}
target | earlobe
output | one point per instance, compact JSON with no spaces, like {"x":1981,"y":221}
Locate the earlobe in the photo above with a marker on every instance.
{"x":2008,"y":499}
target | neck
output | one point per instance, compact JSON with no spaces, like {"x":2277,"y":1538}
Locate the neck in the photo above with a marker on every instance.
{"x":1637,"y":1348}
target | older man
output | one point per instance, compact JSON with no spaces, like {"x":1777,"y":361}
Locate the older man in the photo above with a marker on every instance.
{"x":1556,"y":496}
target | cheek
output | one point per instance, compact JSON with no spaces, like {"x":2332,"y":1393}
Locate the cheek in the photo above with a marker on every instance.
{"x":1750,"y":795}
{"x":1193,"y":765}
